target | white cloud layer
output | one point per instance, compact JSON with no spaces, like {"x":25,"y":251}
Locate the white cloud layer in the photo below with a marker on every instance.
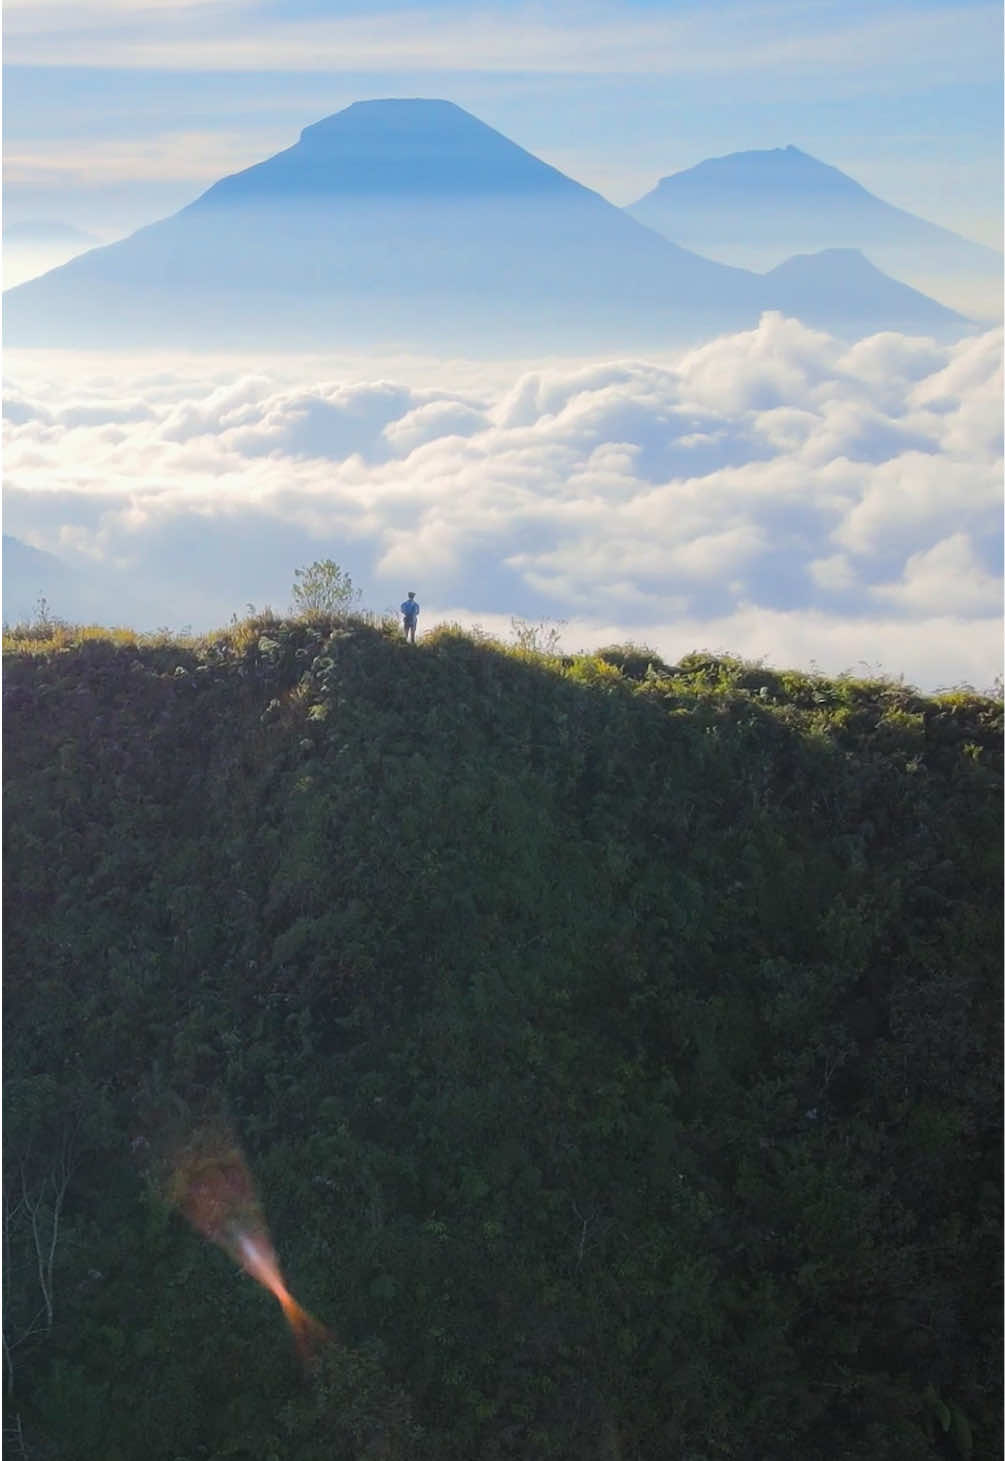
{"x":772,"y":493}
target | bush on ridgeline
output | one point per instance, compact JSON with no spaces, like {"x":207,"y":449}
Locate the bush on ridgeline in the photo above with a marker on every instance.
{"x":634,"y":661}
{"x":324,"y":590}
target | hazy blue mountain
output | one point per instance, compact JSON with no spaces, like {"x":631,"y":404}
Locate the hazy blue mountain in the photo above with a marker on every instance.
{"x":82,"y":592}
{"x":28,"y":576}
{"x":399,"y":220}
{"x":755,"y":209}
{"x":815,"y":287}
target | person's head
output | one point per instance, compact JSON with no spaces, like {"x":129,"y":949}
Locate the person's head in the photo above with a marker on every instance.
{"x":411,"y":593}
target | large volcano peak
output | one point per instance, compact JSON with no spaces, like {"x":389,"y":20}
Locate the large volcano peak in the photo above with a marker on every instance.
{"x":393,"y":147}
{"x":429,"y":116}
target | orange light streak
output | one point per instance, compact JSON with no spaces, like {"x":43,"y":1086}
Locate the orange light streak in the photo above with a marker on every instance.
{"x":212,"y":1187}
{"x":258,"y":1259}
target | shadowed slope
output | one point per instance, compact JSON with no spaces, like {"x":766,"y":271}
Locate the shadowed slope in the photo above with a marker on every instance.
{"x":615,"y":1046}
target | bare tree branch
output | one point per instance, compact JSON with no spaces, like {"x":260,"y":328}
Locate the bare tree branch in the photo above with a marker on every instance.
{"x":34,"y":1219}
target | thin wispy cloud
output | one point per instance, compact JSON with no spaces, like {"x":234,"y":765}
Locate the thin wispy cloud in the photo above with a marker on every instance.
{"x":180,"y":155}
{"x":823,"y":41}
{"x":25,"y":17}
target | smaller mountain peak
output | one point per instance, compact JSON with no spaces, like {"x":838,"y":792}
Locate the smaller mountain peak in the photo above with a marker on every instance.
{"x":776,"y":168}
{"x":846,"y":262}
{"x":845,"y":254}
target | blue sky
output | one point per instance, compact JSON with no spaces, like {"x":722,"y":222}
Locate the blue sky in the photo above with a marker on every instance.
{"x":117,"y":113}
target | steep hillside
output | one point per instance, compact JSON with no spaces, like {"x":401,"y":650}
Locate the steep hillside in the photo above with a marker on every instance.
{"x":614,"y":1044}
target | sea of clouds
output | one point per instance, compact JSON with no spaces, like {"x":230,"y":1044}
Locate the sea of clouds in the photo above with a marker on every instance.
{"x":776,"y":493}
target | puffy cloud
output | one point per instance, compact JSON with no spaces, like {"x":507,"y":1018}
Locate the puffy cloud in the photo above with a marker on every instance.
{"x":781,"y":363}
{"x":912,"y":500}
{"x":431,"y":422}
{"x":949,"y":574}
{"x":774,"y":485}
{"x":834,"y":573}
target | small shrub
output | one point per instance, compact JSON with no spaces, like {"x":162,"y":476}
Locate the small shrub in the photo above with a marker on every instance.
{"x":323,"y":589}
{"x":542,"y":637}
{"x":634,"y":661}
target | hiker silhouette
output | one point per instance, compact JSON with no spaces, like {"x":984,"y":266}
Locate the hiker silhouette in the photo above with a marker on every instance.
{"x":410,"y":616}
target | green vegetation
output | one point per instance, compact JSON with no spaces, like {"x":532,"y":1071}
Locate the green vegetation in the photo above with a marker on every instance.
{"x":322,"y":590}
{"x":615,"y":1046}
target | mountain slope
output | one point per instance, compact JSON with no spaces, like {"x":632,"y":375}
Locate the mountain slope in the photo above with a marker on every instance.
{"x":843,"y":283}
{"x":615,"y":1046}
{"x":757,"y":208}
{"x":403,"y":220}
{"x":402,"y":216}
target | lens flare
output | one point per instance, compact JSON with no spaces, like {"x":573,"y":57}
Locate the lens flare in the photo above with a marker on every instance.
{"x":211,"y":1186}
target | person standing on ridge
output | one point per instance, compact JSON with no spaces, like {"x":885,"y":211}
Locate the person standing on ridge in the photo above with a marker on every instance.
{"x":410,"y":616}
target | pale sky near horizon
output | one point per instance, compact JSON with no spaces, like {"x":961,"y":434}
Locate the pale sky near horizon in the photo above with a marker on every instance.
{"x":116,"y":114}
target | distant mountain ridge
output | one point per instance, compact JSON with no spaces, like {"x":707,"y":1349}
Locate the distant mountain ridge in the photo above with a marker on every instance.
{"x":854,"y":284}
{"x":412,"y":221}
{"x":29,"y":575}
{"x":754,"y":209}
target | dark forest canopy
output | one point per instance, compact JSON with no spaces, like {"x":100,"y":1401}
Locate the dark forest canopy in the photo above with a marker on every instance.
{"x":615,"y":1047}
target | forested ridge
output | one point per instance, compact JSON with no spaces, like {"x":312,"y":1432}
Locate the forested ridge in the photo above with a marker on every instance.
{"x":615,"y":1047}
